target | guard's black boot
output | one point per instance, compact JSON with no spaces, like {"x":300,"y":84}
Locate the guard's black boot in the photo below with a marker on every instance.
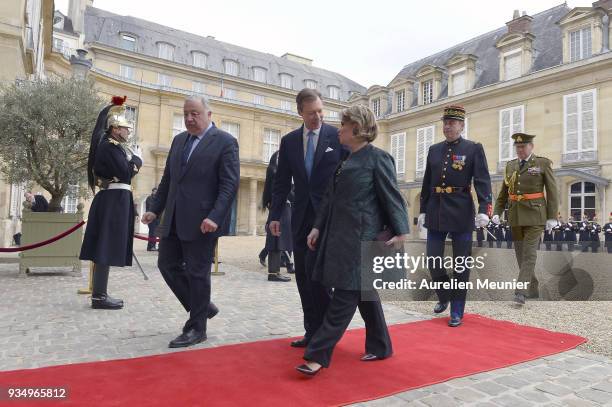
{"x":99,"y":298}
{"x":105,"y":302}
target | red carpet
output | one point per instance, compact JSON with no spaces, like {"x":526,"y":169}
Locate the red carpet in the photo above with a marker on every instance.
{"x":262,"y":373}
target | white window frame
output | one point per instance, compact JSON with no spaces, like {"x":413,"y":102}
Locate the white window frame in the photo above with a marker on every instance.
{"x":376,"y":107}
{"x":511,"y":130}
{"x":127,"y":38}
{"x":333,"y":92}
{"x":260,"y":74}
{"x":165,"y":51}
{"x":426,"y":144}
{"x":398,"y":152}
{"x":229,"y":93}
{"x":286,"y":105}
{"x":465,"y":133}
{"x":164,"y":80}
{"x":230,"y":67}
{"x":582,"y":195}
{"x":400,"y":100}
{"x":271,"y":142}
{"x":232,"y":128}
{"x":17,"y":198}
{"x":126,"y":71}
{"x":332,"y":115}
{"x":428,"y":92}
{"x":199,"y":59}
{"x":178,"y":124}
{"x":198,"y":88}
{"x":131,"y":115}
{"x":584,"y":50}
{"x":286,"y":80}
{"x":517,"y":53}
{"x":311,"y":84}
{"x":71,"y":199}
{"x":259,"y":100}
{"x":454,"y":75}
{"x":579,"y":114}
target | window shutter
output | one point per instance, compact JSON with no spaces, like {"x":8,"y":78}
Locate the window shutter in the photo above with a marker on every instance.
{"x":505,"y":135}
{"x":420,"y":160}
{"x":458,"y":83}
{"x":586,"y":42}
{"x":587,"y":121}
{"x":401,"y":153}
{"x":512,"y":66}
{"x":571,"y":123}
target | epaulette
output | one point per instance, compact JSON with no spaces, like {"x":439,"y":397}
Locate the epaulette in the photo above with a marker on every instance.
{"x":113,"y":141}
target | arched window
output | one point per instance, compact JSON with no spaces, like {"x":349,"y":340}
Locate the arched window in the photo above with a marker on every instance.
{"x":582,"y":200}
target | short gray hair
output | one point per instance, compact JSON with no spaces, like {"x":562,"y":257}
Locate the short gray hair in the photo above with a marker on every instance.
{"x":366,"y":128}
{"x":202,"y":99}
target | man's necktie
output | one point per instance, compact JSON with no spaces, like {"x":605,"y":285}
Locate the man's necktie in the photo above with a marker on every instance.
{"x":310,"y":153}
{"x":523,"y":163}
{"x":187,"y":149}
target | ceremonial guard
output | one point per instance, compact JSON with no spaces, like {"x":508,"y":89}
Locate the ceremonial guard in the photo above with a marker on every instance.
{"x":447,"y":207}
{"x":569,"y":232}
{"x":558,"y":233}
{"x":608,"y":233}
{"x":595,"y":230}
{"x":491,"y":235}
{"x":480,"y":235}
{"x":529,"y":210}
{"x":110,"y":229}
{"x":508,"y":231}
{"x":548,"y":238}
{"x":499,"y":235}
{"x":584,"y":234}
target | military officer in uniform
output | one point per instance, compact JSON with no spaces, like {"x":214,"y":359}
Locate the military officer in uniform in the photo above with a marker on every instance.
{"x":529,"y":210}
{"x":480,"y":235}
{"x":499,"y":235}
{"x":595,"y":230}
{"x":491,"y":235}
{"x":558,"y":233}
{"x":608,"y":233}
{"x":110,"y":230}
{"x":569,"y":232}
{"x":447,"y":207}
{"x":584,"y":234}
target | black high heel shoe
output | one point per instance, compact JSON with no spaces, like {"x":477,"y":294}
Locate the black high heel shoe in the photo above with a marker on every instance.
{"x":304,"y":369}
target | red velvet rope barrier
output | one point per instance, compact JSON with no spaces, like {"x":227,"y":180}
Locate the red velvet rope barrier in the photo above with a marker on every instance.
{"x":145,"y":238}
{"x":43,"y":243}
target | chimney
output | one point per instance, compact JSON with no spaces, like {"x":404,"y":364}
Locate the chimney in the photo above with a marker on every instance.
{"x":520,"y":24}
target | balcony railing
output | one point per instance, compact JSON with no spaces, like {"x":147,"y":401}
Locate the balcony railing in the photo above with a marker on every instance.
{"x":579,"y":157}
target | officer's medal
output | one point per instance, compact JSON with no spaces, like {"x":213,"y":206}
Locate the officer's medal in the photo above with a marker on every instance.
{"x":458,"y":162}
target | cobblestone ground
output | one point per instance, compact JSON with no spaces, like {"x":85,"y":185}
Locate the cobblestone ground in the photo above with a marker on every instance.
{"x":45,"y":322}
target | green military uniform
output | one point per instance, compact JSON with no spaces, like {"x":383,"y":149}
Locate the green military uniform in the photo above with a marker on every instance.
{"x":528,"y":208}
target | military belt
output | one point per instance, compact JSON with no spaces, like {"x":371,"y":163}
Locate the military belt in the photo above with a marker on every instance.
{"x":119,"y":185}
{"x":450,"y":190}
{"x":527,"y":197}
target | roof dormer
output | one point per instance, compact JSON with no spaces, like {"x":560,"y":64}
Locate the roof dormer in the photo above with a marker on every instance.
{"x":430,"y":83}
{"x":461,"y":70}
{"x":583,"y":32}
{"x":516,"y":48}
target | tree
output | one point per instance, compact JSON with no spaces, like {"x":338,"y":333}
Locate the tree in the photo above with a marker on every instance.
{"x":45,"y":130}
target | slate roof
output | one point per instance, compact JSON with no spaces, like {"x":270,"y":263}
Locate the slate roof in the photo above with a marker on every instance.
{"x":104,"y":27}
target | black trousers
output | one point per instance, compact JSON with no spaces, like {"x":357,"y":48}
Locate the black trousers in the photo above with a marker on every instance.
{"x":152,"y":226}
{"x":186,"y":268}
{"x":278,"y":259}
{"x":313,"y":295}
{"x":462,"y":247}
{"x":338,"y":317}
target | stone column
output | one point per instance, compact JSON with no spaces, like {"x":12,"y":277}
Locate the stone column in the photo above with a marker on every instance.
{"x":252,"y":207}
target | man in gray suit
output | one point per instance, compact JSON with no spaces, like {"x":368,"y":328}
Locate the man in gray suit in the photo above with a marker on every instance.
{"x":196,"y":193}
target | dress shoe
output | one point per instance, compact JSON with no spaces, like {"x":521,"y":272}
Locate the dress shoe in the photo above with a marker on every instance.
{"x":440,"y":307}
{"x":105,"y":302}
{"x":369,"y":357}
{"x":212,"y":311}
{"x":278,"y":277}
{"x":191,"y":337}
{"x":305,"y":369}
{"x":290,"y":269}
{"x":300,"y":343}
{"x":519,"y":299}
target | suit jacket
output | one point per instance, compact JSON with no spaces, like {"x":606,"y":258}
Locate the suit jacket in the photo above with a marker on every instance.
{"x":536,"y":175}
{"x":328,"y":154}
{"x":40,"y":204}
{"x":361,"y":200}
{"x":206,"y":188}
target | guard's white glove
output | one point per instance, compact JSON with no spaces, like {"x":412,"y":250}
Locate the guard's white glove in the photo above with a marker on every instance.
{"x":137,"y":151}
{"x":495,"y":219}
{"x":482,"y":220}
{"x":421,"y":220}
{"x":550,"y":224}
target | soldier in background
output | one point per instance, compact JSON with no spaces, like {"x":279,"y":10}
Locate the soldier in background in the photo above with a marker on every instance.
{"x":584,"y":234}
{"x":508,"y":234}
{"x":480,"y":235}
{"x":529,"y":210}
{"x":491,"y":235}
{"x":499,"y":235}
{"x":558,"y":235}
{"x":569,"y":231}
{"x":595,"y":230}
{"x":607,"y":229}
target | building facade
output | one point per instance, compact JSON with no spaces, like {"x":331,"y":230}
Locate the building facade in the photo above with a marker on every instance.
{"x":548,"y":75}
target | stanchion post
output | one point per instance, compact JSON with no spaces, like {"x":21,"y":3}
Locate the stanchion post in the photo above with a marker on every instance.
{"x":88,"y":290}
{"x":217,"y":272}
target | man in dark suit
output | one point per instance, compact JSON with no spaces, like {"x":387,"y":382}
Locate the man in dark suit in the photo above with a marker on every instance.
{"x":39,"y":202}
{"x":196,"y":193}
{"x":308,"y":155}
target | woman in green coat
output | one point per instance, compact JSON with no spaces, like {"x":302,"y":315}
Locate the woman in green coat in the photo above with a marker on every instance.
{"x":362,"y":200}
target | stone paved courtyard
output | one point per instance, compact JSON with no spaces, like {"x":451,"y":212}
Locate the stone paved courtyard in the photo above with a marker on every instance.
{"x":45,"y":322}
